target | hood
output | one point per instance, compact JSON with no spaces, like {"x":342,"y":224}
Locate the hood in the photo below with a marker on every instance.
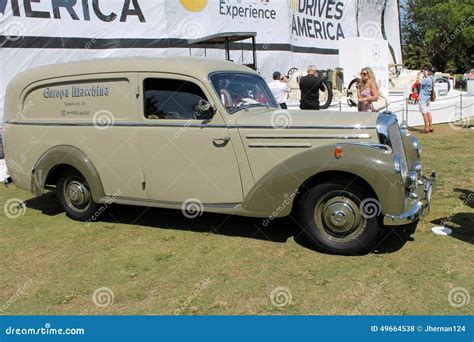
{"x":279,"y":118}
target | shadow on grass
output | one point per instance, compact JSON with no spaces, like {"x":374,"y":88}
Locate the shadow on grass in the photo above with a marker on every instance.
{"x":48,"y":204}
{"x":394,"y":238}
{"x":466,"y":196}
{"x":415,"y":129}
{"x":278,"y":230}
{"x":462,"y":224}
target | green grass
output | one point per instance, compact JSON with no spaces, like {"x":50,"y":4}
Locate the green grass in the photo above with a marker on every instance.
{"x":158,"y":262}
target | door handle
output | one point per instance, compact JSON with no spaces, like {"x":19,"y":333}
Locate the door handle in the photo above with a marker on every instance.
{"x":221,"y":140}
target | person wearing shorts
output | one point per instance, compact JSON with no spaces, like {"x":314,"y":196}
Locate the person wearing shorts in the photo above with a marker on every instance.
{"x":426,"y":81}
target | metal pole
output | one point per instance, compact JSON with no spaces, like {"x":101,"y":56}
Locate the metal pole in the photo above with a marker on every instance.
{"x":406,"y":113}
{"x":227,"y":50}
{"x":340,"y":106}
{"x":460,"y":106}
{"x":405,"y":119}
{"x":254,"y":53}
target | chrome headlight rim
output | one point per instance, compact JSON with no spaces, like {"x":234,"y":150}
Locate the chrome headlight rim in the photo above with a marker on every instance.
{"x":400,"y":167}
{"x":397,"y":163}
{"x":412,"y":180}
{"x":417,"y":145}
{"x":417,"y":166}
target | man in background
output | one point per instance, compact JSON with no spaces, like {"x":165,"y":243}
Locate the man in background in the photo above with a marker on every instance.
{"x":279,"y":88}
{"x":426,"y":81}
{"x":310,"y":85}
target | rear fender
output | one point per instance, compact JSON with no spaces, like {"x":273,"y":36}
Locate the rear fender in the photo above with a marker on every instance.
{"x":66,"y":155}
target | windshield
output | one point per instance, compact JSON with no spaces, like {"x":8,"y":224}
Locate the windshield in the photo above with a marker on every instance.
{"x":240,"y":91}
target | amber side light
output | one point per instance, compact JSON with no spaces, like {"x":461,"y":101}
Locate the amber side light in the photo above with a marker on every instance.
{"x":338,"y":152}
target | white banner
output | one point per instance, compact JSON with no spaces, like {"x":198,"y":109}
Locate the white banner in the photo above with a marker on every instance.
{"x":357,"y":53}
{"x":290,"y":33}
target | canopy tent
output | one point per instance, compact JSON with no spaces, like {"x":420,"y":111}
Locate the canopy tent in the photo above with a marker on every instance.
{"x":226,"y":39}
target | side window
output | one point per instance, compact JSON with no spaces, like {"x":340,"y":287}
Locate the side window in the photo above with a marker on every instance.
{"x":171,"y":99}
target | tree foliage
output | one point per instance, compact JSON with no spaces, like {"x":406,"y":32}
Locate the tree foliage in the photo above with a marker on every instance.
{"x":438,"y":33}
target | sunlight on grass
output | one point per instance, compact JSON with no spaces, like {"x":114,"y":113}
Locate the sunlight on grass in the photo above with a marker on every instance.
{"x":164,"y":263}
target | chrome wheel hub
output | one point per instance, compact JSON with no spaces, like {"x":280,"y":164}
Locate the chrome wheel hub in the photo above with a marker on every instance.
{"x":77,"y":194}
{"x":338,"y":216}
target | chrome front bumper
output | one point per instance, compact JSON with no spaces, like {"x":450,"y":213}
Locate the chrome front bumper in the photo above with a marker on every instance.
{"x":418,"y":207}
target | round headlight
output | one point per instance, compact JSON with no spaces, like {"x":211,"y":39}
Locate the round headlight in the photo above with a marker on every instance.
{"x":417,"y":145}
{"x":417,"y":167}
{"x":412,"y":180}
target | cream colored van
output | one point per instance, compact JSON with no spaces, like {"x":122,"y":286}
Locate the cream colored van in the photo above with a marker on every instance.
{"x":198,"y":134}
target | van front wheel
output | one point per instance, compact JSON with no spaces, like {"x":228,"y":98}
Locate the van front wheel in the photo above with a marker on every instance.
{"x":75,"y":196}
{"x":340,"y":218}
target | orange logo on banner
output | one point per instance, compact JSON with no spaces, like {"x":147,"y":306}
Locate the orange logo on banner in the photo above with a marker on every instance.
{"x":294,"y":5}
{"x":194,"y":5}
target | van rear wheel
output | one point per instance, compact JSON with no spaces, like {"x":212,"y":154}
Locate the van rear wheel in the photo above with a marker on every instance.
{"x":75,"y":196}
{"x":332,"y":216}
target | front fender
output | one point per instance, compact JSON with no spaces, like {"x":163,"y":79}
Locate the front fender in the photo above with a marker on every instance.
{"x":275,"y":191}
{"x":66,"y":155}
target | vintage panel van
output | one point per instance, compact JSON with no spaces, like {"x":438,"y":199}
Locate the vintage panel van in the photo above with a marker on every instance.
{"x":208,"y":134}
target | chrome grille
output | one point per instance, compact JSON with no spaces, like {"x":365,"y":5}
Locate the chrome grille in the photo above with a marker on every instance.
{"x":389,"y":134}
{"x":396,"y":143}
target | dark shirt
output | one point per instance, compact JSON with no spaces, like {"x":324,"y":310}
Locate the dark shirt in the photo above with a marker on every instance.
{"x":310,"y":86}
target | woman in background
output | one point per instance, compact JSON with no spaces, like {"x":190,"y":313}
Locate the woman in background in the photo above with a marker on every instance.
{"x":367,"y":90}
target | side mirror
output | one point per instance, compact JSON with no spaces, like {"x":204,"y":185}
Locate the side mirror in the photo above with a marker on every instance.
{"x":205,"y":110}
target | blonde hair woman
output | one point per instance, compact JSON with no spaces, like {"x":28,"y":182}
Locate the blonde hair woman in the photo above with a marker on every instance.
{"x":367,"y":90}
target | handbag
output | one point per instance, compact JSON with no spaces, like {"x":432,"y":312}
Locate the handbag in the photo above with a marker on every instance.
{"x":381,"y":103}
{"x":433,"y":92}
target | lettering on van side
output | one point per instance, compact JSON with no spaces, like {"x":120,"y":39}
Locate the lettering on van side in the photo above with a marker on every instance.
{"x":75,"y":112}
{"x":75,"y":91}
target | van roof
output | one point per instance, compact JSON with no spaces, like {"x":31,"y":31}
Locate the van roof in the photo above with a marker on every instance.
{"x":193,"y":66}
